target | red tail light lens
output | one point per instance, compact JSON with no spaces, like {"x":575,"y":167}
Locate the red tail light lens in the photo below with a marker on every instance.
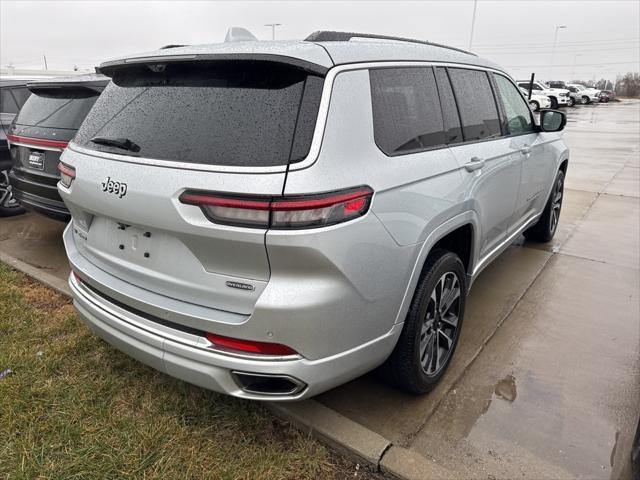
{"x":67,"y":174}
{"x":306,"y":211}
{"x":37,"y":142}
{"x":248,"y":346}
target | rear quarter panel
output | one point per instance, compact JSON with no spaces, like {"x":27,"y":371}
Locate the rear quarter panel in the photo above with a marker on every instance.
{"x":416,"y":198}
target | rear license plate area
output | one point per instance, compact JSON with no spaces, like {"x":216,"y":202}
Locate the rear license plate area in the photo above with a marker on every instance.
{"x":130,"y":241}
{"x":36,"y":160}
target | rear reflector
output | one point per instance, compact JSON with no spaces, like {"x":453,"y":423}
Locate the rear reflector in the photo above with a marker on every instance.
{"x":37,"y":142}
{"x":248,"y":346}
{"x":305,"y":211}
{"x":67,"y":174}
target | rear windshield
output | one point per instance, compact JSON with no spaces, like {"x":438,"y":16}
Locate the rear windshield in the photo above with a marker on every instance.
{"x":57,"y":108}
{"x":218,"y":113}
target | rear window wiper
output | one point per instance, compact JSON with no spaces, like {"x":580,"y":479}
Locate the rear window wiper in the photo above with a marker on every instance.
{"x":123,"y":143}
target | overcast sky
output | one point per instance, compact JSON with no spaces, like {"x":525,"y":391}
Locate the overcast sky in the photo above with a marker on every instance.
{"x":602,"y":38}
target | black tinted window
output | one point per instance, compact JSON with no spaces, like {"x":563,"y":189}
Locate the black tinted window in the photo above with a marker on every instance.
{"x":7,"y":103}
{"x":451,"y":119}
{"x":220,"y":113}
{"x":57,"y":108}
{"x":478,"y":109}
{"x":406,"y":110}
{"x":20,"y":94}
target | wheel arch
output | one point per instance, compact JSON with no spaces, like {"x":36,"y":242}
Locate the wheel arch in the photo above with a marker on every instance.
{"x":459,"y":235}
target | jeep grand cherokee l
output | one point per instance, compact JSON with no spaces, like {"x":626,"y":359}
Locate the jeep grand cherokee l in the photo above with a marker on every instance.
{"x":13,"y":94}
{"x":41,"y":131}
{"x":272,"y":219}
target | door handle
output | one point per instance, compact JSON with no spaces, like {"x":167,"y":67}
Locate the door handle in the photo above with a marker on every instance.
{"x":475,"y":164}
{"x":525,"y":150}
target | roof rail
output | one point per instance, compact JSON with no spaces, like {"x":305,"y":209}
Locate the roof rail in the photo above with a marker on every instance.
{"x":329,"y":36}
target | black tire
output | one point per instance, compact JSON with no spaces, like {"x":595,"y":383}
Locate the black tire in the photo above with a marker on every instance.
{"x":584,"y":100}
{"x":404,"y":367}
{"x":546,"y":226}
{"x":535,"y":106}
{"x":8,"y":205}
{"x":554,"y":102}
{"x":572,"y":102}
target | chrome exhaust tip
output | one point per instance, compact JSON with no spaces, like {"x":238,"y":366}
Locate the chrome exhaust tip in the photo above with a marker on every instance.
{"x":267,"y":384}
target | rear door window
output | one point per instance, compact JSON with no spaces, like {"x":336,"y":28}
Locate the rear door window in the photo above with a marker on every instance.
{"x":57,"y":108}
{"x":477,"y":106}
{"x":407,"y":116}
{"x":249,"y":114}
{"x":20,"y":94}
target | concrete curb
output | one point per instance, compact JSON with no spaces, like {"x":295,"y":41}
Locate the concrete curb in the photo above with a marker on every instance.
{"x":339,"y":432}
{"x":51,"y":281}
{"x":353,"y":440}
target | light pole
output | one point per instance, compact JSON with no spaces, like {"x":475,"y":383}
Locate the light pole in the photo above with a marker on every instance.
{"x":273,"y":29}
{"x":555,"y":41}
{"x":573,"y":69}
{"x":473,"y":23}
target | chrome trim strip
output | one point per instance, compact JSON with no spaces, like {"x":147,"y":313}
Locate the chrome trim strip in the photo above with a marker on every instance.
{"x":299,"y":385}
{"x":187,"y":339}
{"x":318,"y":134}
{"x":36,"y":147}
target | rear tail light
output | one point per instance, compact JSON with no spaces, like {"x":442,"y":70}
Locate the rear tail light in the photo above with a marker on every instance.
{"x":67,"y":174}
{"x":249,"y":346}
{"x":304,"y":211}
{"x":37,"y":142}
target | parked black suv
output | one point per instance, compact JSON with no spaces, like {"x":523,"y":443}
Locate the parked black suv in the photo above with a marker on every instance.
{"x":41,"y":131}
{"x":13,"y":94}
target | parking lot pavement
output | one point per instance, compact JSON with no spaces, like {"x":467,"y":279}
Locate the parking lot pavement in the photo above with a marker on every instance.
{"x":555,"y":390}
{"x":35,"y":240}
{"x":545,"y":381}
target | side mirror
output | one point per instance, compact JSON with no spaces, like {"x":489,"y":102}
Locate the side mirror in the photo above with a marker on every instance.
{"x":552,"y":120}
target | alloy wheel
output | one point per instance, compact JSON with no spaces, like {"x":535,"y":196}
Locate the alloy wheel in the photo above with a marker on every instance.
{"x":439,"y":328}
{"x":6,"y":196}
{"x":556,"y":204}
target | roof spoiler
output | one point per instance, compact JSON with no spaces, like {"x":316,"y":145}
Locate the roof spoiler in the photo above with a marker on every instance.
{"x":111,"y":67}
{"x":96,"y":84}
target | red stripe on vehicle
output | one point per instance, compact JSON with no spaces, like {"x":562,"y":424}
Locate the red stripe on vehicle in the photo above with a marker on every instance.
{"x":37,"y":142}
{"x":195,"y":199}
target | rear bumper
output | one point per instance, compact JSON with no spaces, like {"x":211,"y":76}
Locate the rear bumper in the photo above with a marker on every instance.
{"x":39,"y":197}
{"x":188,"y":357}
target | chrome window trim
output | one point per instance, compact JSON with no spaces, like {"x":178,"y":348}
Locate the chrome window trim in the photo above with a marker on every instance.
{"x":318,"y":133}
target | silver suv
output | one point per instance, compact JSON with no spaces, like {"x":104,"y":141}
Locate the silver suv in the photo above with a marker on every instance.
{"x":272,"y":219}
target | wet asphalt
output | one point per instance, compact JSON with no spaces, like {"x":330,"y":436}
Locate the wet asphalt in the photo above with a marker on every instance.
{"x":545,"y":382}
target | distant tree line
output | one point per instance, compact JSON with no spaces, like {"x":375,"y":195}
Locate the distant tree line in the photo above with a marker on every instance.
{"x":627,"y":85}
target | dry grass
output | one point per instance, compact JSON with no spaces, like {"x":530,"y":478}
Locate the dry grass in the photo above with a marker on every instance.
{"x":75,"y":408}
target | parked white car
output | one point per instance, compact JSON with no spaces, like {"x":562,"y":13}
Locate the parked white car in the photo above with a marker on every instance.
{"x":536,"y":102}
{"x":583,"y":94}
{"x":559,"y":96}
